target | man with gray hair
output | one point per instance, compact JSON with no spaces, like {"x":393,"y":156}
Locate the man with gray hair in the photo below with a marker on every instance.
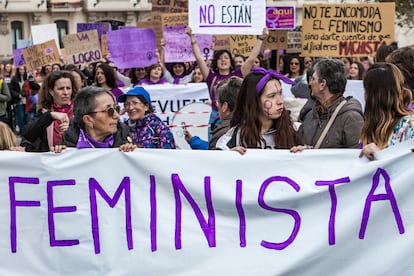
{"x":333,"y":121}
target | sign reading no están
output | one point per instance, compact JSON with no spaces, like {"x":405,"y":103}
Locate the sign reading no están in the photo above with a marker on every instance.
{"x":227,"y":17}
{"x":346,"y":29}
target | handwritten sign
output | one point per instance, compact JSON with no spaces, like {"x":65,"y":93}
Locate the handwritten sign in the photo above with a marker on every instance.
{"x":346,"y":29}
{"x":41,"y":54}
{"x":277,"y":39}
{"x":294,"y":42}
{"x":178,"y":45}
{"x":131,"y":48}
{"x":82,"y":48}
{"x":221,"y":42}
{"x":280,"y":18}
{"x":173,"y":19}
{"x":242,"y":44}
{"x":18,"y":58}
{"x":227,"y":17}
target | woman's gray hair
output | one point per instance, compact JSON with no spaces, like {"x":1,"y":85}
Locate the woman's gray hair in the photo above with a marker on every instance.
{"x":85,"y":102}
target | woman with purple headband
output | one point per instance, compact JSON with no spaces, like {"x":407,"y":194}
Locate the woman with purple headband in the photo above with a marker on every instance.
{"x":260,"y":120}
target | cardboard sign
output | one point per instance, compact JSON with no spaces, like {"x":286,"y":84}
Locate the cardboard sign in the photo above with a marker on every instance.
{"x":242,"y":44}
{"x":276,"y":40}
{"x":346,"y":29}
{"x":82,"y":48}
{"x":41,"y":54}
{"x":174,"y":19}
{"x":170,"y":6}
{"x":221,"y":42}
{"x":294,"y":42}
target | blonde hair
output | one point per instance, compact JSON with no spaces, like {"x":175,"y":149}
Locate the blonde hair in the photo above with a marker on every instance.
{"x":7,"y":137}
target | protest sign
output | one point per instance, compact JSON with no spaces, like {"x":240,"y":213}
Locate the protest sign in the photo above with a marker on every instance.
{"x":277,"y":39}
{"x":294,"y":42}
{"x":339,"y":30}
{"x":242,"y":44}
{"x":131,"y":48}
{"x":43,"y":33}
{"x":41,"y":54}
{"x":227,"y":17}
{"x":221,"y":42}
{"x":174,"y":19}
{"x":182,"y":212}
{"x":170,"y":6}
{"x":280,"y":18}
{"x":102,"y":28}
{"x":82,"y":48}
{"x":18,"y":58}
{"x":178,"y":45}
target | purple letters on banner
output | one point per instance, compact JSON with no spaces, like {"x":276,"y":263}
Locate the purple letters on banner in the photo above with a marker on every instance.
{"x":178,"y":45}
{"x":240,"y":211}
{"x":208,"y":227}
{"x":153,"y":219}
{"x":132,"y":47}
{"x":279,"y":18}
{"x":102,"y":28}
{"x":125,"y":187}
{"x":21,"y":203}
{"x":52,"y":210}
{"x":334,"y":203}
{"x":293,"y":213}
{"x":389,"y":195}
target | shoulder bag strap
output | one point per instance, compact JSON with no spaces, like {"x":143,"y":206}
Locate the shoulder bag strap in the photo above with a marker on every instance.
{"x":329,"y":124}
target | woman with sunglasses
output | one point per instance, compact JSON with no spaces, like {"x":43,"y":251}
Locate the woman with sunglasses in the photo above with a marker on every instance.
{"x":96,"y":122}
{"x":296,"y":67}
{"x":259,"y":119}
{"x":147,"y":129}
{"x":55,"y":110}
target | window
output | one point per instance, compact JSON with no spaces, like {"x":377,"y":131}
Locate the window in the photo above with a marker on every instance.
{"x":17,"y":32}
{"x":62,"y":28}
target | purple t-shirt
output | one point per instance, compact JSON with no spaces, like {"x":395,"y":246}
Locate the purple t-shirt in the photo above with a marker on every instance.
{"x":116,"y":92}
{"x":217,"y":78}
{"x":148,"y":81}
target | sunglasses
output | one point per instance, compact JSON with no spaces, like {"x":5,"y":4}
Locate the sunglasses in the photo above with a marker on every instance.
{"x":110,"y":111}
{"x":294,"y":63}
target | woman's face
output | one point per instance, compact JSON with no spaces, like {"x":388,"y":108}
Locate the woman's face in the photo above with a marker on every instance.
{"x":224,"y":62}
{"x":271,"y":100}
{"x":294,"y":65}
{"x":140,"y":73}
{"x":135,"y":108}
{"x":21,"y":70}
{"x":354,"y":71}
{"x":178,"y":69}
{"x":347,"y":64}
{"x":197,"y":76}
{"x":100,"y":76}
{"x":256,"y":62}
{"x":307,"y":61}
{"x":55,"y":67}
{"x":238,"y":61}
{"x":62,"y":92}
{"x":78,"y":80}
{"x":103,"y":123}
{"x":156,"y":73}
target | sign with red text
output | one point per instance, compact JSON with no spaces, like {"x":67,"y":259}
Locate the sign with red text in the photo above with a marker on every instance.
{"x":227,"y":17}
{"x":183,"y":212}
{"x":340,"y":30}
{"x":82,"y":47}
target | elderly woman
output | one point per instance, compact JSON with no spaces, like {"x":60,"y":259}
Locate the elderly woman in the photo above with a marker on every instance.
{"x":56,"y":110}
{"x":148,"y":130}
{"x":96,"y":122}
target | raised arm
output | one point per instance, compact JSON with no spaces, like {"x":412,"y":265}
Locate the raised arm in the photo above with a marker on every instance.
{"x":248,"y":64}
{"x":197,"y":53}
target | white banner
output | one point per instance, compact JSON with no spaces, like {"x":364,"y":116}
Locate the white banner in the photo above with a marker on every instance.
{"x":227,"y":17}
{"x":172,"y":212}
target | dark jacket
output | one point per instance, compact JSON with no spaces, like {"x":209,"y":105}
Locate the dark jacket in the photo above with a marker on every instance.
{"x":345,"y":130}
{"x":34,"y":134}
{"x":219,"y":130}
{"x":122,"y":135}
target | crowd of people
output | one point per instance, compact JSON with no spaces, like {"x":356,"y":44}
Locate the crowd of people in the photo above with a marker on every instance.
{"x":59,"y":106}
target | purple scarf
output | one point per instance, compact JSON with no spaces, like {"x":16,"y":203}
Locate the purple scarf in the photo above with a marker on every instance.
{"x":85,"y":141}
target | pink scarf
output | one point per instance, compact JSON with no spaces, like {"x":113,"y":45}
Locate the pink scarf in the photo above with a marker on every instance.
{"x":54,"y":136}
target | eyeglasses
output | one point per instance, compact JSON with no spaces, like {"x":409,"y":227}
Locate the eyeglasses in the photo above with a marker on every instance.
{"x":294,"y":63}
{"x":110,"y":111}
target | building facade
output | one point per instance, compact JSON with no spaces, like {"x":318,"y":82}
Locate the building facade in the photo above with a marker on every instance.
{"x":16,"y":17}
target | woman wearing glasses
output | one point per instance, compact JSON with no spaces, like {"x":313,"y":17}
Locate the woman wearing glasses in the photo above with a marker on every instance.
{"x":147,"y":129}
{"x":52,"y":118}
{"x":96,"y":122}
{"x":296,"y":67}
